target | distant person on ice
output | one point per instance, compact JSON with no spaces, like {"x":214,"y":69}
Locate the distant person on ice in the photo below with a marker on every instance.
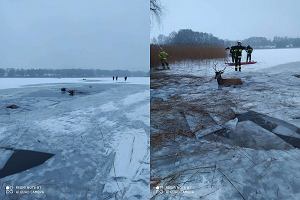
{"x":249,"y":50}
{"x":113,"y":78}
{"x":125,"y":78}
{"x":116,"y":78}
{"x":237,"y":50}
{"x":163,"y":56}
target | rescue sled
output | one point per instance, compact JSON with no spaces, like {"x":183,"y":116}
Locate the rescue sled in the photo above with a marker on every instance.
{"x":242,"y":63}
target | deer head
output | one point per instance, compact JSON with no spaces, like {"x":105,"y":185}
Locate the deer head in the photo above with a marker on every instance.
{"x":218,"y":74}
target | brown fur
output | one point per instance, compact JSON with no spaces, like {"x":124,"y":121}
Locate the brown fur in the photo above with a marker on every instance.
{"x":227,"y":82}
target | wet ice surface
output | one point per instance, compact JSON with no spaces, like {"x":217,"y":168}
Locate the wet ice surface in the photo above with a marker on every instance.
{"x":100,"y":150}
{"x":199,"y":144}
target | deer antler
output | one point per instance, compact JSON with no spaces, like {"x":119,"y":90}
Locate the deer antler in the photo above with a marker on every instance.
{"x":224,"y":68}
{"x":215,"y":66}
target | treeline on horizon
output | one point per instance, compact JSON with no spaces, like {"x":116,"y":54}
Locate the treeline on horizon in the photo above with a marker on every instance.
{"x":190,"y":37}
{"x":67,"y":73}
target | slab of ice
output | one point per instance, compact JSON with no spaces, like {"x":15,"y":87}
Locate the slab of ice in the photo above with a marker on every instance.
{"x":207,"y":131}
{"x":231,"y":124}
{"x":283,"y":130}
{"x":249,"y":134}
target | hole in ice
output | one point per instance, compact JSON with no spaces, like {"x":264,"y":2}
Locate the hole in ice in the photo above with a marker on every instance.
{"x":22,"y":160}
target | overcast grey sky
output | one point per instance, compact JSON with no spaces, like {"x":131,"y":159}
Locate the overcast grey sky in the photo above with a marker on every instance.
{"x":106,"y":34}
{"x":231,"y":19}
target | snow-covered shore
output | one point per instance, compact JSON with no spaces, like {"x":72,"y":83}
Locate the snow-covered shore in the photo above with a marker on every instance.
{"x":99,"y":138}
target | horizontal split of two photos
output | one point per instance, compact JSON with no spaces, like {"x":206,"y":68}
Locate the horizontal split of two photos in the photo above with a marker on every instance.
{"x":91,"y":110}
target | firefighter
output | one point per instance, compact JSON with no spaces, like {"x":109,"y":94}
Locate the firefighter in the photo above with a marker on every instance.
{"x":163,"y":56}
{"x":237,"y":50}
{"x":249,"y":50}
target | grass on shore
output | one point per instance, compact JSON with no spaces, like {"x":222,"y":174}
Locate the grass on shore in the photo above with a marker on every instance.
{"x":178,"y":53}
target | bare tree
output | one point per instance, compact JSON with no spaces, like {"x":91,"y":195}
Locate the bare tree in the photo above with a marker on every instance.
{"x":155,"y":7}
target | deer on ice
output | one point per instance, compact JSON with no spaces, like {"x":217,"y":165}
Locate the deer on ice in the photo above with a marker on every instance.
{"x":225,"y":82}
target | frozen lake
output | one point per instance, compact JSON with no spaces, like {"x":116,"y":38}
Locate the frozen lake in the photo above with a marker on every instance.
{"x":271,"y":57}
{"x":187,"y":100}
{"x":266,"y":58}
{"x":99,"y":138}
{"x":6,"y":83}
